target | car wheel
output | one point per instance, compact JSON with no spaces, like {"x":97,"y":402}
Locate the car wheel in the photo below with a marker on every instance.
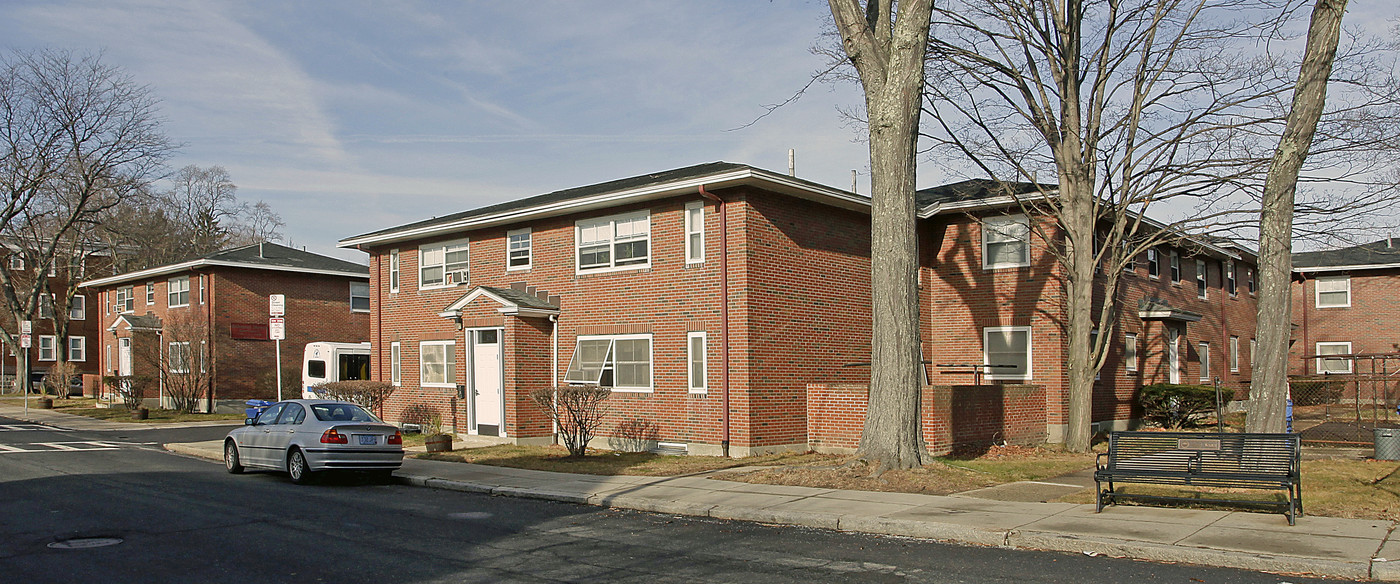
{"x":297,"y":467}
{"x":231,"y":461}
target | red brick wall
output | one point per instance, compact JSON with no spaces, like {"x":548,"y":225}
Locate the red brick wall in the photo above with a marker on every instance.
{"x":1369,"y":324}
{"x":953,"y":416}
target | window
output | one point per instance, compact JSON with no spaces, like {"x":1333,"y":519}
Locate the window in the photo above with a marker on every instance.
{"x":438,"y":363}
{"x":1201,"y":279}
{"x":1130,"y":352}
{"x":203,"y":356}
{"x":695,"y":233}
{"x":1007,"y":352}
{"x":1234,"y":354}
{"x":697,"y":373}
{"x":617,"y":242}
{"x":395,"y":364}
{"x":622,"y":362}
{"x":1253,"y":350}
{"x":393,"y":271}
{"x":1129,"y":260}
{"x":179,"y":357}
{"x":177,"y":290}
{"x":1006,"y":242}
{"x":1154,"y":264}
{"x":359,"y":297}
{"x":1174,"y":266}
{"x":48,"y":348}
{"x":125,"y":302}
{"x":16,"y":262}
{"x":77,"y":348}
{"x":77,"y":307}
{"x":443,"y":264}
{"x":1230,"y":277}
{"x":46,"y":306}
{"x":518,"y":249}
{"x":150,"y":293}
{"x":1204,"y":349}
{"x":1333,"y":292}
{"x":1336,"y":364}
{"x":1249,"y":279}
{"x":201,"y":288}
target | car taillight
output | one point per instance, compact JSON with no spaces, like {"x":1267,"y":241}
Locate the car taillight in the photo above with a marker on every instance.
{"x":332,"y":437}
{"x":397,"y":438}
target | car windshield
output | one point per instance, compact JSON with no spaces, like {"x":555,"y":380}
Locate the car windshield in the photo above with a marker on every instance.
{"x":341,"y":413}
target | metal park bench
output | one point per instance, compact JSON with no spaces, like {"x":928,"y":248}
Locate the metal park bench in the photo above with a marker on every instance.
{"x":1243,"y":461}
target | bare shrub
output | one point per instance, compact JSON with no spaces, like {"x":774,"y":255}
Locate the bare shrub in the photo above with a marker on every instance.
{"x":60,"y":374}
{"x":131,"y":388}
{"x":577,"y":410}
{"x":370,"y":394}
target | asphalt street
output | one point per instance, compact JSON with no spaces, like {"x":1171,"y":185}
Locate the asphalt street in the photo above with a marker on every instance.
{"x":180,"y":519}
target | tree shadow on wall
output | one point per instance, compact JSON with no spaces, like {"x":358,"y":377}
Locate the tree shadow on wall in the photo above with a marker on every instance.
{"x":635,"y":435}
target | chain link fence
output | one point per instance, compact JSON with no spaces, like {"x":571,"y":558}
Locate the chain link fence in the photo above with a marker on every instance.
{"x":1344,"y":410}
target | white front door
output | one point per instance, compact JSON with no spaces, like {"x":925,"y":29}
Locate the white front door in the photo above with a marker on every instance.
{"x":1173,"y":356}
{"x":486,"y":381}
{"x":124,"y":360}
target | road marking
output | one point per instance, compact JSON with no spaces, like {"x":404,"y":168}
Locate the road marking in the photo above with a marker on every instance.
{"x":86,"y":446}
{"x":30,"y":428}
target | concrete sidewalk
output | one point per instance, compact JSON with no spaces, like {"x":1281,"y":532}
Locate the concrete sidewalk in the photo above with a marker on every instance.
{"x":1325,"y":546}
{"x":11,"y":408}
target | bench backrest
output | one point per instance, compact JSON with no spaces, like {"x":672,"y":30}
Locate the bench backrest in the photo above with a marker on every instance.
{"x":1205,"y":453}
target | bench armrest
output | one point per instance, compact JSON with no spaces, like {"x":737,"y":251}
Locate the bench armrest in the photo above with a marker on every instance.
{"x":1098,"y":461}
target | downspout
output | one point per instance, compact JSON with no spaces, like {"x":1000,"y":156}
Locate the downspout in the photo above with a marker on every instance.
{"x":723,"y":312}
{"x":1308,"y":298}
{"x":554,"y":368}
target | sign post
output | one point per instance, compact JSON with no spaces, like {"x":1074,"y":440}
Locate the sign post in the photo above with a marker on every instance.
{"x":277,"y":330}
{"x":26,"y":327}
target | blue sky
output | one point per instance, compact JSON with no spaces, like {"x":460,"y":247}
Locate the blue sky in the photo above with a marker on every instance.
{"x":349,"y":117}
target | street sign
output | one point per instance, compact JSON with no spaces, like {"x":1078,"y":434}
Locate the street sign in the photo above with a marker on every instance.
{"x":26,"y":327}
{"x":277,"y":328}
{"x":277,"y":305}
{"x":24,"y":340}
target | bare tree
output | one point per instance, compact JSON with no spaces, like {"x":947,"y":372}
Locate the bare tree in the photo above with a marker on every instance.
{"x":79,"y":136}
{"x":206,"y":202}
{"x":256,"y":224}
{"x":1128,"y":105}
{"x":182,"y":360}
{"x":887,"y":49}
{"x":1270,"y":387}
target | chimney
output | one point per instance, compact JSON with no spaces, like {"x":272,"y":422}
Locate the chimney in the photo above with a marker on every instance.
{"x":1390,"y":243}
{"x":792,"y":162}
{"x":260,"y":250}
{"x":853,"y":182}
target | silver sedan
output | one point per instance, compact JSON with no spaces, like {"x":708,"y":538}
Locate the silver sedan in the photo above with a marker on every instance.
{"x":306,"y":436}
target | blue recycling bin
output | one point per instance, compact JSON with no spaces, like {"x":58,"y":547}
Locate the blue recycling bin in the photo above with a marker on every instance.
{"x":256,"y":407}
{"x":1288,"y":415}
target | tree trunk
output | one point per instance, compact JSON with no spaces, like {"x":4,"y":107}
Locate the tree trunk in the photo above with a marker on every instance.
{"x":1077,"y":192}
{"x":1269,"y":389}
{"x":889,"y":57}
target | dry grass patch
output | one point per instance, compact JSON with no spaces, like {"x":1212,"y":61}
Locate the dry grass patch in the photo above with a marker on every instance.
{"x":946,"y":475}
{"x":88,"y":407}
{"x":557,"y":459}
{"x":1359,"y":489}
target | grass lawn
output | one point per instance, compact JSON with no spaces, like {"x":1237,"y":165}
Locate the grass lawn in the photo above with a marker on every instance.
{"x":88,"y":407}
{"x":556,"y":458}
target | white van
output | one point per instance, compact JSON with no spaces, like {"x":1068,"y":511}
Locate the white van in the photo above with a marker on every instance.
{"x":323,"y":361}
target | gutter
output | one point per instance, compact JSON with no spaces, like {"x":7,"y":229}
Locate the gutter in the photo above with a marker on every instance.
{"x":723,"y":312}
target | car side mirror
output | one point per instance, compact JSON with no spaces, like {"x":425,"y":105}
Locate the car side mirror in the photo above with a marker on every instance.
{"x":249,"y":421}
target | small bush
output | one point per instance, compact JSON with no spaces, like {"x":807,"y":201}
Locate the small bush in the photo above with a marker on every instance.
{"x":1174,"y":406}
{"x":131,"y":388}
{"x":577,"y":410}
{"x":370,"y":394}
{"x":58,"y":378}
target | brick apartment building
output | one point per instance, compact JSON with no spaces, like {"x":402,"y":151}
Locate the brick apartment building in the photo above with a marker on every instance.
{"x":47,"y":345}
{"x":221,"y":300}
{"x":1346,"y":302}
{"x":729,"y":306}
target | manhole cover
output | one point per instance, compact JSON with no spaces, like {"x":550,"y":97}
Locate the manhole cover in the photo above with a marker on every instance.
{"x":82,"y":543}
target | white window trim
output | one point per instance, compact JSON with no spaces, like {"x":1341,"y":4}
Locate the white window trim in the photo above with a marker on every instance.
{"x":201,"y":288}
{"x":1317,"y":291}
{"x":396,"y":364}
{"x":53,"y":347}
{"x":394,"y":271}
{"x":529,"y":249}
{"x":1130,"y":352}
{"x":1203,"y":349}
{"x":82,"y":349}
{"x":150,"y":293}
{"x":1154,"y":257}
{"x":991,"y":374}
{"x":651,"y":347}
{"x":1202,"y":280}
{"x":612,"y":243}
{"x":991,"y":222}
{"x":1317,"y":350}
{"x":444,"y":245}
{"x":1174,"y":267}
{"x":184,"y":354}
{"x":451,"y":347}
{"x":78,"y":303}
{"x":1173,"y":356}
{"x":1234,"y":355}
{"x":366,"y":297}
{"x":130,"y":297}
{"x":703,"y":386}
{"x":1231,"y":284}
{"x":693,"y":255}
{"x":46,"y":304}
{"x":170,"y":292}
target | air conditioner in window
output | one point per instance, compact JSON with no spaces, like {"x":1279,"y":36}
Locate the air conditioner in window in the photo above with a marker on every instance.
{"x":457,"y":277}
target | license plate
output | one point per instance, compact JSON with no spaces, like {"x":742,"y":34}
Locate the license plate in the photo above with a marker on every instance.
{"x":368,"y":440}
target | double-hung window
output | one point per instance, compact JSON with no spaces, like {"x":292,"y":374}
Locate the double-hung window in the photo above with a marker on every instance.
{"x":614,"y":243}
{"x":695,"y":233}
{"x":46,"y":306}
{"x":1204,"y":350}
{"x":1006,"y":242}
{"x":1333,"y":291}
{"x":1201,"y":279}
{"x":77,"y":307}
{"x":518,"y":249}
{"x":443,"y":264}
{"x":393,"y":271}
{"x":1130,"y":352}
{"x":177,"y":290}
{"x":1154,"y":264}
{"x":1007,"y":352}
{"x":179,"y":357}
{"x":1334,"y":364}
{"x":359,"y":297}
{"x":1174,"y":265}
{"x":48,"y":348}
{"x":77,"y":348}
{"x":1230,"y":277}
{"x":150,"y":293}
{"x":1234,"y":354}
{"x":695,"y":353}
{"x":1249,"y":279}
{"x":395,"y":363}
{"x":438,"y":363}
{"x":621,"y":362}
{"x":125,"y":302}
